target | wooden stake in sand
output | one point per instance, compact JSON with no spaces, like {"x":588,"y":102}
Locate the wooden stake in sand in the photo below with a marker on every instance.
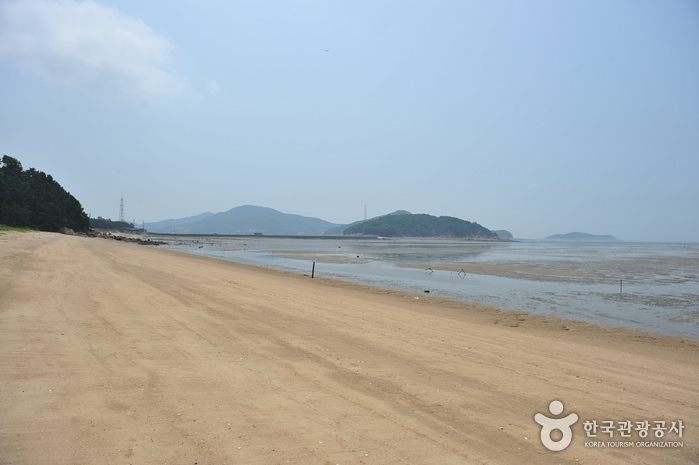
{"x":620,"y":286}
{"x":313,"y":270}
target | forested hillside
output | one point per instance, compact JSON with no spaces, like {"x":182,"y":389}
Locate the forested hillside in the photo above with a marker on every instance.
{"x":421,"y":225}
{"x":34,"y":199}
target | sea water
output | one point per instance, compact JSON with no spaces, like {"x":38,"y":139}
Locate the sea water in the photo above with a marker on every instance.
{"x":648,"y":286}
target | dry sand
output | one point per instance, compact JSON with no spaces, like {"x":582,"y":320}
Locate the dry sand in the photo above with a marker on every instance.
{"x":119,"y":353}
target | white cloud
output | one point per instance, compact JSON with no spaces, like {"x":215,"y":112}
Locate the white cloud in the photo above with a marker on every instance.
{"x":86,"y":44}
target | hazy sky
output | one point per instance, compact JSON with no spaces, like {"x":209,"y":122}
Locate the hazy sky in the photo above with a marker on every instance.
{"x":539,"y":117}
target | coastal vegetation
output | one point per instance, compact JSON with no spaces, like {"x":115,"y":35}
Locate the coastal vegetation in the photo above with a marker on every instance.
{"x":32,"y":198}
{"x":421,"y":225}
{"x":106,"y":223}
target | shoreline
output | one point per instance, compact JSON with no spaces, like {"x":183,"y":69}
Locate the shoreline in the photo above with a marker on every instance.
{"x":490,"y":314}
{"x":483,"y":313}
{"x":117,"y":353}
{"x":584,"y":311}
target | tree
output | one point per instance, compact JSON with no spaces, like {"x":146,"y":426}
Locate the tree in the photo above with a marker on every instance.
{"x":33,"y":198}
{"x":102,"y":223}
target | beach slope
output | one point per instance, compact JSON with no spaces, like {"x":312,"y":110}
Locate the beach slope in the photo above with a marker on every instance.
{"x":127,"y":354}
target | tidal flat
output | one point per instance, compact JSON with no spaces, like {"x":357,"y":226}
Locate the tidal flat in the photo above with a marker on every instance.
{"x":653,"y":287}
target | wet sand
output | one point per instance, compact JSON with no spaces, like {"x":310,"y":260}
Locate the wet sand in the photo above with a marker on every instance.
{"x":510,"y":271}
{"x":582,"y":281}
{"x":121,"y":353}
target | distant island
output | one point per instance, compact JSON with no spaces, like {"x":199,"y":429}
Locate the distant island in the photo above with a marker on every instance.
{"x":503,"y":234}
{"x":421,"y":225}
{"x":578,"y":236}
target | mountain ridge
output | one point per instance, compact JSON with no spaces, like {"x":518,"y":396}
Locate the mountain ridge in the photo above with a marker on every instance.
{"x":250,"y":219}
{"x":167,"y":225}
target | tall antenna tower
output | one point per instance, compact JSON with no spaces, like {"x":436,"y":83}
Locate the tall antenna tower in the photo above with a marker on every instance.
{"x":364,"y":212}
{"x":122,"y":218}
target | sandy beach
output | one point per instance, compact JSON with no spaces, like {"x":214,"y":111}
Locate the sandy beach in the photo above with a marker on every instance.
{"x":118,"y":353}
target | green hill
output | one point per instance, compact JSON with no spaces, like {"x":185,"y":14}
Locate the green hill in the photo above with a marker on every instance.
{"x":34,"y":199}
{"x":340,"y":230}
{"x":421,"y":225}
